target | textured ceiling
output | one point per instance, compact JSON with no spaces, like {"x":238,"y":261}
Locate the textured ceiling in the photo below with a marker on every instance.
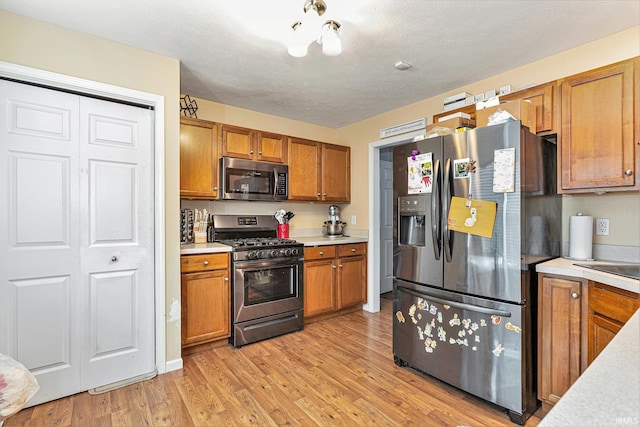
{"x":231,"y":51}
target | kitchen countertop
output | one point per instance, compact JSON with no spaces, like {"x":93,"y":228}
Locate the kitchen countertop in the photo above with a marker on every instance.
{"x":566,"y":267}
{"x":210,"y":248}
{"x":324,"y":240}
{"x":203,"y":248}
{"x":607,"y":391}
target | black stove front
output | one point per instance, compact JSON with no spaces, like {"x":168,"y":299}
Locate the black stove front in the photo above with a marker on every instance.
{"x":267,"y":297}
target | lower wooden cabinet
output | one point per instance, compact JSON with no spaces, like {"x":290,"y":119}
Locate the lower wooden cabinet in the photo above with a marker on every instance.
{"x":576,"y":320}
{"x":335,"y":277}
{"x":560,"y":311}
{"x":206,"y":298}
{"x":609,"y":309}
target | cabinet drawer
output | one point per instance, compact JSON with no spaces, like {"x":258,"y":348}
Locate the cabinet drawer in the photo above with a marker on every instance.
{"x":616,"y":304}
{"x":205,"y":262}
{"x":319,"y":252}
{"x":352,"y":249}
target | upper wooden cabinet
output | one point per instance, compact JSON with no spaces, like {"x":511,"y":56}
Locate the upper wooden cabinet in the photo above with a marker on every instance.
{"x":542,"y":97}
{"x":198,"y":166}
{"x":251,"y":144}
{"x":600,"y":139}
{"x":319,"y":171}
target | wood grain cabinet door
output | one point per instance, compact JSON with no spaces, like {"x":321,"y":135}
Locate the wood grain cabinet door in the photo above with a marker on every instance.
{"x":352,"y":282}
{"x":304,"y":169}
{"x":336,"y":173}
{"x":236,"y":142}
{"x":559,"y":337}
{"x":599,"y":113}
{"x":542,"y":98}
{"x":319,"y":287}
{"x":198,"y":168}
{"x":206,"y":302}
{"x":271,"y":147}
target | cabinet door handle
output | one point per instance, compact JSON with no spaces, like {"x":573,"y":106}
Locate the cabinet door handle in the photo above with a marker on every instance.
{"x":340,"y":265}
{"x":318,"y":194}
{"x":324,"y":194}
{"x":574,"y":295}
{"x":260,"y":152}
{"x":251,"y":152}
{"x":334,"y":266}
{"x":226,"y":279}
{"x":321,"y":253}
{"x":215,"y":188}
{"x":353,"y":250}
{"x":206,"y":263}
{"x":628,"y":172}
{"x":114,"y":259}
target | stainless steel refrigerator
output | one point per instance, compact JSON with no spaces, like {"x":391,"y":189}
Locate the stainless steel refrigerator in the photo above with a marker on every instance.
{"x":475,"y":211}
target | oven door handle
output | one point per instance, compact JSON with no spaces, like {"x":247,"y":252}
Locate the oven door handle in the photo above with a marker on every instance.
{"x":267,"y":263}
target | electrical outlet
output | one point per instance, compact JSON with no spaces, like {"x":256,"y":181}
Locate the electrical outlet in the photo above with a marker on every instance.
{"x":602,"y":226}
{"x":353,"y":220}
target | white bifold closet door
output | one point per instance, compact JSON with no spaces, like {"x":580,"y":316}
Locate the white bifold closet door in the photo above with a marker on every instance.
{"x":76,"y":238}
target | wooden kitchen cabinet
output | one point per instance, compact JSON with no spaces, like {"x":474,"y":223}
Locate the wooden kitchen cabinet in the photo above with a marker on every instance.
{"x":561,"y":304}
{"x":206,"y":298}
{"x":335,"y":278}
{"x":319,"y":171}
{"x":609,"y":310}
{"x":543,"y":97}
{"x":352,"y":274}
{"x":319,"y":280}
{"x":198,"y":166}
{"x":252,"y":144}
{"x":599,"y":144}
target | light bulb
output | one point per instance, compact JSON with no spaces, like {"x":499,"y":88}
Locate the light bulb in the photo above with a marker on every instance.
{"x":297,"y":44}
{"x":331,"y":43}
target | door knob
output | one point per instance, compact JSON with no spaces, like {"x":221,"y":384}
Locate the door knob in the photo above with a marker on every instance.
{"x":206,"y":263}
{"x":574,"y":295}
{"x":114,"y":259}
{"x":628,"y":172}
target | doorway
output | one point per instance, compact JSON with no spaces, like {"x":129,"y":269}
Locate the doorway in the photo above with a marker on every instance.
{"x":377,"y":263}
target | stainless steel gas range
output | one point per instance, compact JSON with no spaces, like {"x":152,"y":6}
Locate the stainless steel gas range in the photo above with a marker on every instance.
{"x":267,"y":279}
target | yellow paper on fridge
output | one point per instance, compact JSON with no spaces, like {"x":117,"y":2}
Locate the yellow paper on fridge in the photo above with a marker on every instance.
{"x":478,"y":218}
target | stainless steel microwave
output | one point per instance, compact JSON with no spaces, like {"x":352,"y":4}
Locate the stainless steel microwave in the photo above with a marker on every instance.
{"x":249,"y":180}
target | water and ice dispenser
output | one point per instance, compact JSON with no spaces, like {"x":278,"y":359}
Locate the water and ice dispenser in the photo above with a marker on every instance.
{"x":412,"y":212}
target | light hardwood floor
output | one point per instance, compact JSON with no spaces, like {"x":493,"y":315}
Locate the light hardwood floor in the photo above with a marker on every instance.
{"x":337,"y":372}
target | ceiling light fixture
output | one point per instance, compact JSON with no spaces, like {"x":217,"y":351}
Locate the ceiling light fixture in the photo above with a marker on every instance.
{"x":310,"y":28}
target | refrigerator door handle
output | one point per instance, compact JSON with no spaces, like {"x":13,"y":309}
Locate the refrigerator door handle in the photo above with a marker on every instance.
{"x":456,"y":304}
{"x":435,"y":210}
{"x":446,"y":234}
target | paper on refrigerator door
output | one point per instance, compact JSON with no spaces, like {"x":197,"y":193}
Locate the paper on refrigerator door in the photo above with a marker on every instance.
{"x":504,"y":169}
{"x":479,"y":218}
{"x":420,"y":173}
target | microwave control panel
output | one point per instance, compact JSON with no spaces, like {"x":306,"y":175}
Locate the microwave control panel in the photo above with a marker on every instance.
{"x":281,"y":190}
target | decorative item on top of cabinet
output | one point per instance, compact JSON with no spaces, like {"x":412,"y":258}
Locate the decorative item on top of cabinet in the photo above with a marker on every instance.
{"x":251,"y":144}
{"x":335,"y":278}
{"x":319,"y":171}
{"x":468,"y":109}
{"x":561,"y":356}
{"x":609,"y":310}
{"x":600,"y":139}
{"x":198,"y":168}
{"x":206,"y":298}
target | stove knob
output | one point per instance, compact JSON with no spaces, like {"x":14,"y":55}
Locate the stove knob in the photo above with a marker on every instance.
{"x":259,"y":254}
{"x":295,"y":251}
{"x":251,"y":255}
{"x":287,"y":252}
{"x":273,"y":253}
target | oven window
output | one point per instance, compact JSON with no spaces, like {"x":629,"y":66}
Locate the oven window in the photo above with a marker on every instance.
{"x":269,"y":284}
{"x":243,"y":181}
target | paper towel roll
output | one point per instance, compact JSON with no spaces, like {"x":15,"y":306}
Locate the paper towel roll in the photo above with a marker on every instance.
{"x":580,"y":236}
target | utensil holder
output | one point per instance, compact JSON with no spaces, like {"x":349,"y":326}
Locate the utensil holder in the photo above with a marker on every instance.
{"x":283,"y":231}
